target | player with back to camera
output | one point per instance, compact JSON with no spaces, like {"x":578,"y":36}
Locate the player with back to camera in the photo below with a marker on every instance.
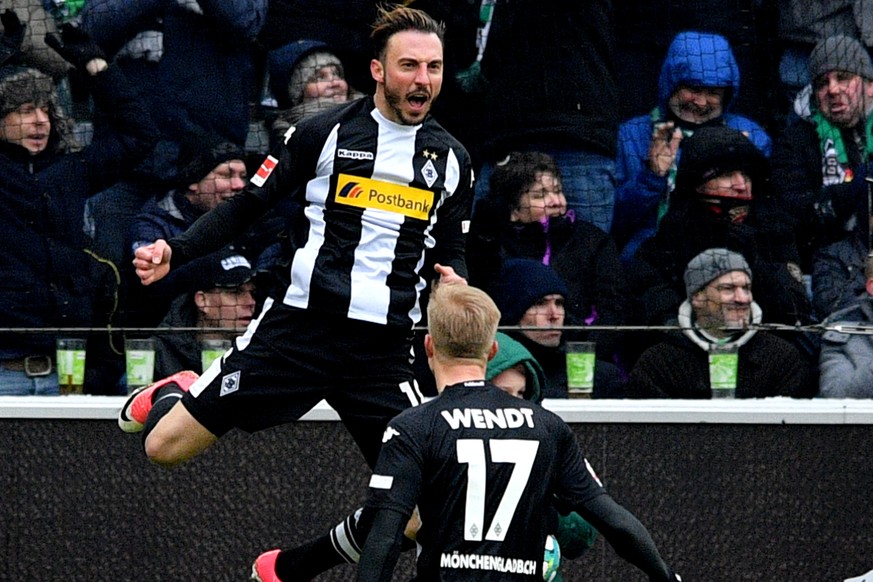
{"x":514,"y":370}
{"x":483,"y":468}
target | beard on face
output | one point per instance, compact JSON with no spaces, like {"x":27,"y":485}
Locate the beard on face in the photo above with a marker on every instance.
{"x":396,"y":99}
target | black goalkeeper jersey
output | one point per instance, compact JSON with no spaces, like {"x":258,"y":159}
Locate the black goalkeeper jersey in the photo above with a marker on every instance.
{"x":374,"y":205}
{"x":484,"y":468}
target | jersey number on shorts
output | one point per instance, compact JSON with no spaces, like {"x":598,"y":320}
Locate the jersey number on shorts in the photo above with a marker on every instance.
{"x":412,"y":392}
{"x":472,"y":452}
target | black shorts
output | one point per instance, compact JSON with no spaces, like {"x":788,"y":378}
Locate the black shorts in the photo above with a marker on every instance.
{"x":289,"y":359}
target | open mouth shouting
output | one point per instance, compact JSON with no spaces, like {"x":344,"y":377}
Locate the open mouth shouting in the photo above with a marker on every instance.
{"x":419,"y":103}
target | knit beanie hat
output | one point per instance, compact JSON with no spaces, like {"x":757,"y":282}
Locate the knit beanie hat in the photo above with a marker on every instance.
{"x":714,"y":150}
{"x":199,"y":154}
{"x":710,"y":265}
{"x":20,"y":85}
{"x":305,"y":71}
{"x":522,"y":283}
{"x":840,"y":53}
{"x":281,"y":63}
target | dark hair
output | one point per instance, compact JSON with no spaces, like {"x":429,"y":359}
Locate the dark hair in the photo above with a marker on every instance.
{"x":513,"y":176}
{"x":393,"y":19}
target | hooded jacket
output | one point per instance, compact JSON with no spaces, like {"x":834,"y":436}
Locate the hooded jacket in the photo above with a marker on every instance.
{"x":678,"y":366}
{"x":511,"y":353}
{"x":689,"y":227}
{"x":696,"y":59}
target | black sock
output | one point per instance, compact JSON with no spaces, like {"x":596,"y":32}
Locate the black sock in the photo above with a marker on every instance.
{"x":305,"y":562}
{"x":161,"y":406}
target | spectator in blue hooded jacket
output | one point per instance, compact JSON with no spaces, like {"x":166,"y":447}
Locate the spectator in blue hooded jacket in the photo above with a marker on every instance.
{"x":699,"y":82}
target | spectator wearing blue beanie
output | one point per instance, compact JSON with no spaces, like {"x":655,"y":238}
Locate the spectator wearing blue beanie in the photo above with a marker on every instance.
{"x":530,"y":294}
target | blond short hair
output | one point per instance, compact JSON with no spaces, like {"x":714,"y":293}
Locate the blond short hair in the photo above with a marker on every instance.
{"x":462,"y":322}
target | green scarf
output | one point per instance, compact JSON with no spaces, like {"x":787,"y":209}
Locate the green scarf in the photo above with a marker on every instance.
{"x":828,"y":132}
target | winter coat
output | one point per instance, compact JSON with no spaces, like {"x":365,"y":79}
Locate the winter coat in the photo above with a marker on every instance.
{"x":608,"y":379}
{"x":547,"y":66}
{"x":678,"y":366}
{"x":178,"y":350}
{"x":694,"y":58}
{"x":206,"y":74}
{"x":48,"y":277}
{"x":656,"y":274}
{"x":838,"y":278}
{"x":510,"y":353}
{"x":846,"y":364}
{"x":580,"y":253}
{"x":170,"y":216}
{"x":818,"y":205}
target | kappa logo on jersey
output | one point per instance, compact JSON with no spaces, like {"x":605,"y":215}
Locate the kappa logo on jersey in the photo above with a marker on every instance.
{"x":354,"y":154}
{"x":389,"y":434}
{"x":378,"y":195}
{"x":229,"y":384}
{"x":267,"y":167}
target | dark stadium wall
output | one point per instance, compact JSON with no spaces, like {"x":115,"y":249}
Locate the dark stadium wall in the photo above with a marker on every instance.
{"x":79,"y":501}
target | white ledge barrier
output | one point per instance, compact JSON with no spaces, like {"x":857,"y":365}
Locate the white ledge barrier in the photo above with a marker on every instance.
{"x":753,"y":411}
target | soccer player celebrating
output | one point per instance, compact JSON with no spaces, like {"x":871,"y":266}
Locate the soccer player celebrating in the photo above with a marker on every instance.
{"x":483,"y":466}
{"x":379,"y":200}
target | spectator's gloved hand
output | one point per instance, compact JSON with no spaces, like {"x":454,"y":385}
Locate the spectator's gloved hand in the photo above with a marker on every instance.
{"x":75,"y":46}
{"x":13,"y":34}
{"x":841,"y":200}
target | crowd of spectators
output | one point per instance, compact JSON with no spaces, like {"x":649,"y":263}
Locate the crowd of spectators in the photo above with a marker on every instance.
{"x":604,"y":169}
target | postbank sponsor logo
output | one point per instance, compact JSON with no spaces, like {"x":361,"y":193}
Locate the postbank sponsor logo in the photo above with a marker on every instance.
{"x":378,"y":195}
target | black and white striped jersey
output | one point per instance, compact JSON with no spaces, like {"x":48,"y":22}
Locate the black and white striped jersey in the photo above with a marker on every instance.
{"x":379,"y":204}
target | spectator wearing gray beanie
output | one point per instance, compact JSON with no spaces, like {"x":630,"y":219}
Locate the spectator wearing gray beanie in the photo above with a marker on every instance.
{"x":710,"y":265}
{"x":824,"y":154}
{"x":840,"y":53}
{"x":719,"y":314}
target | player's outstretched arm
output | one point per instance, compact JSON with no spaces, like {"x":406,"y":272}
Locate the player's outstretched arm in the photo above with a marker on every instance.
{"x":152,"y":262}
{"x":627,"y":536}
